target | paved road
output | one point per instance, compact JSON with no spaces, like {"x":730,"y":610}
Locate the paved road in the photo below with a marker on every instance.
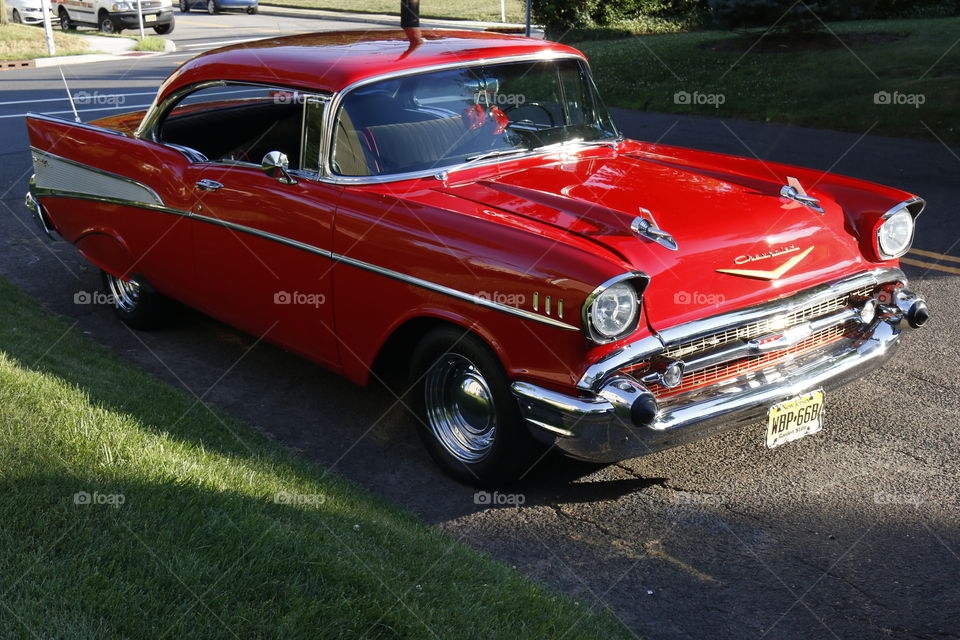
{"x":852,"y":533}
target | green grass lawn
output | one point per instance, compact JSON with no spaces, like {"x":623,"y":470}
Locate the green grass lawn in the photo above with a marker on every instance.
{"x":193,"y":525}
{"x":22,"y":42}
{"x":833,"y":89}
{"x":488,"y":10}
{"x":150,"y":43}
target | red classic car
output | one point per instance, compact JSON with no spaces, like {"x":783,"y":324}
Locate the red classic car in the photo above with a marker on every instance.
{"x":462,"y":206}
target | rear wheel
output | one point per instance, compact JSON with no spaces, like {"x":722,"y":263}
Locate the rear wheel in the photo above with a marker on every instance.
{"x":252,"y":10}
{"x":468,"y":418}
{"x":184,"y":6}
{"x":211,"y":7}
{"x":136,"y":305}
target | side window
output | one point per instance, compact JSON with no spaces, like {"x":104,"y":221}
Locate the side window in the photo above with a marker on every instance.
{"x":241,"y":123}
{"x":313,"y":132}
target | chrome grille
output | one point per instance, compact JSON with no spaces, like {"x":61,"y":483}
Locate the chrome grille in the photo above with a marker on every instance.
{"x":739,"y":365}
{"x":765,"y":326}
{"x":728,"y":370}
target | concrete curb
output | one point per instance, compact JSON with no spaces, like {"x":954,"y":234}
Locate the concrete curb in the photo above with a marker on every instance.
{"x":61,"y":61}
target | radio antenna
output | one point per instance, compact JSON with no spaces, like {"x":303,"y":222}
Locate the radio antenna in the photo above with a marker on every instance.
{"x":76,"y":116}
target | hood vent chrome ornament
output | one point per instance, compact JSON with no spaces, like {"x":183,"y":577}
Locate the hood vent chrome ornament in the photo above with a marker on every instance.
{"x":643,"y":228}
{"x":793,"y":190}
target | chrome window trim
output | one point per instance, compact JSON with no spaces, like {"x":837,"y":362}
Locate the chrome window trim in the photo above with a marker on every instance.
{"x":910,"y":204}
{"x":325,"y":100}
{"x":151,"y":120}
{"x":585,"y":308}
{"x":599,"y":371}
{"x":326,"y":169}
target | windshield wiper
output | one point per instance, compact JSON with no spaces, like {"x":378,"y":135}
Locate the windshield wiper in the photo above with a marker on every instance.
{"x":472,"y":160}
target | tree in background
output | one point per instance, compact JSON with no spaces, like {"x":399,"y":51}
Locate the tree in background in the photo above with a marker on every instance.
{"x":3,"y":11}
{"x":560,"y":16}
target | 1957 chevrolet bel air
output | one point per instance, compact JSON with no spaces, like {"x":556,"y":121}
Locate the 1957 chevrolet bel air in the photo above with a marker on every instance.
{"x":462,"y":205}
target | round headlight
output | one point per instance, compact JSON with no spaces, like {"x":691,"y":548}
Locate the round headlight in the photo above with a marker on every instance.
{"x":895,"y":234}
{"x":614,"y":311}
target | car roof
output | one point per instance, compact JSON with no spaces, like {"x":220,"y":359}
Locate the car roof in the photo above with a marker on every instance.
{"x":331,"y":61}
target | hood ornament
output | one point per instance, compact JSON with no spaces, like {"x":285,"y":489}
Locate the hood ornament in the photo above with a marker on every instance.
{"x":773,"y":274}
{"x":793,"y":190}
{"x":643,"y":228}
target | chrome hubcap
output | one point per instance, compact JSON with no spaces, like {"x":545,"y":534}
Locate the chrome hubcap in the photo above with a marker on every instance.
{"x":460,"y":409}
{"x":126,"y":294}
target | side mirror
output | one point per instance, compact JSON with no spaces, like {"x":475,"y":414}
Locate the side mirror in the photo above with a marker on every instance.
{"x":276,"y":165}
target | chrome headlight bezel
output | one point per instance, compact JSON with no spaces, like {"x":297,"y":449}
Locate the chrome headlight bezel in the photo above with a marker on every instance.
{"x":909,"y":209}
{"x":637,"y":281}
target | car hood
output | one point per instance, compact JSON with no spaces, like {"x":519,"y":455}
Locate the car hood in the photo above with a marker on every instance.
{"x":723,"y":212}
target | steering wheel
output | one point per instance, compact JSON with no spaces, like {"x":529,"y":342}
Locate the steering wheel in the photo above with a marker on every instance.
{"x":510,"y":107}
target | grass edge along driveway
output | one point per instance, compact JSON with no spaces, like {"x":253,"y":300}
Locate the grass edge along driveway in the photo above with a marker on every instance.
{"x":130,"y":510}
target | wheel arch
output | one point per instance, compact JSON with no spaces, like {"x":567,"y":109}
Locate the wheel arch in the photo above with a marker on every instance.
{"x":393,"y":354}
{"x":106,"y":251}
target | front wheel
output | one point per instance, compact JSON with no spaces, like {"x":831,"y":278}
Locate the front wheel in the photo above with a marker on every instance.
{"x":109,"y":25}
{"x":468,"y":418}
{"x":211,"y":7}
{"x":184,"y":6}
{"x":136,"y":305}
{"x":16,"y":17}
{"x":252,"y":10}
{"x":163,"y":29}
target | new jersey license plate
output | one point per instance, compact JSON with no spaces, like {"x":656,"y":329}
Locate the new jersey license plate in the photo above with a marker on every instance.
{"x":150,"y":18}
{"x":795,"y":418}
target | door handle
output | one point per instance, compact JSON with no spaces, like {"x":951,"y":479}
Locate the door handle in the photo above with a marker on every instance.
{"x":208,"y":185}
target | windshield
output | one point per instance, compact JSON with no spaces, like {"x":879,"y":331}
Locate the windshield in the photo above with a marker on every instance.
{"x":436,"y":120}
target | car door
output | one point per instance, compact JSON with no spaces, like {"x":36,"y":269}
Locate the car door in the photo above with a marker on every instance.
{"x":262,"y":243}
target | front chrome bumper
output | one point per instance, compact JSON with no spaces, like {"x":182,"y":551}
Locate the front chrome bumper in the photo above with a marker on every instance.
{"x":619,"y":417}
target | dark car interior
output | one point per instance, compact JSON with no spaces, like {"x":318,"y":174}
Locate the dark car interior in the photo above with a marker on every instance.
{"x":238,"y":132}
{"x":382,"y":133}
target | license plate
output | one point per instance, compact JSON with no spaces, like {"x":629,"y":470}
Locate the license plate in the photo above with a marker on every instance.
{"x":795,"y":418}
{"x":150,"y":18}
